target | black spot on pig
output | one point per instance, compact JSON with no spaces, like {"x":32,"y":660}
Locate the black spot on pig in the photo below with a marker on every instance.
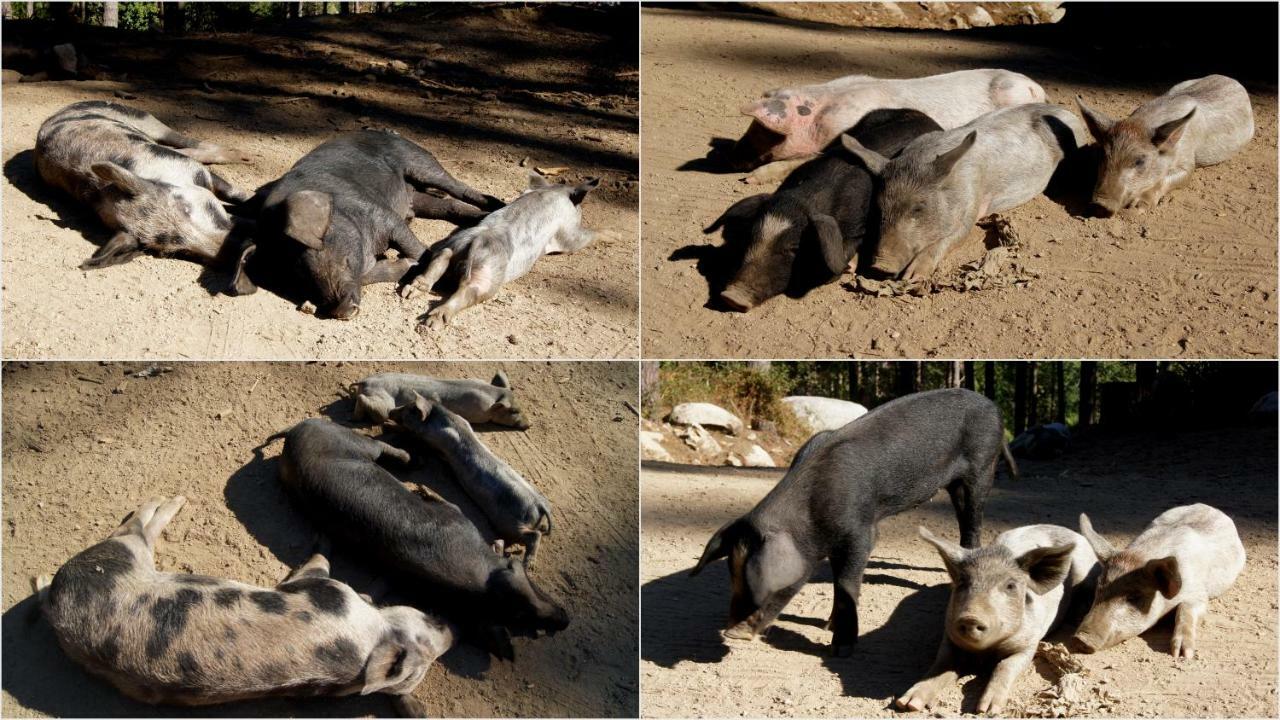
{"x":139,"y":603}
{"x":228,"y":632}
{"x":218,"y":654}
{"x":109,"y":650}
{"x":275,"y":673}
{"x":135,"y":137}
{"x":122,"y":109}
{"x":196,"y":580}
{"x":125,"y":161}
{"x":161,"y":152}
{"x":170,"y":616}
{"x":201,"y":179}
{"x":93,"y":573}
{"x":167,"y":239}
{"x":190,"y":670}
{"x":804,"y":109}
{"x":268,"y":602}
{"x":324,"y":595}
{"x":227,"y":597}
{"x":221,"y":220}
{"x":776,"y":107}
{"x":339,"y":656}
{"x":303,"y":616}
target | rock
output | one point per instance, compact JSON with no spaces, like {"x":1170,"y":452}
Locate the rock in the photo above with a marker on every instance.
{"x":821,"y":413}
{"x":11,"y":76}
{"x":977,"y":16}
{"x":697,"y":437}
{"x":733,"y":460}
{"x":757,"y":456}
{"x":651,"y":447}
{"x":706,"y":415}
{"x":399,"y":66}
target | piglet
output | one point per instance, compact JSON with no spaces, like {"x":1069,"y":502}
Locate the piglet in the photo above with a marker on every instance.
{"x":145,"y":180}
{"x":475,"y":400}
{"x":183,"y":639}
{"x":1005,"y":598}
{"x":1197,"y":123}
{"x":1186,"y":557}
{"x":545,"y":219}
{"x":514,"y":507}
{"x":938,"y":186}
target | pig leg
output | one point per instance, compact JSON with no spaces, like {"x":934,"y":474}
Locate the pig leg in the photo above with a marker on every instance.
{"x":924,"y":264}
{"x":421,"y":169}
{"x":530,"y":541}
{"x":996,"y":694}
{"x":224,"y":190}
{"x":150,"y":520}
{"x":471,"y":293}
{"x":390,"y":451}
{"x":429,"y":277}
{"x":1186,"y":621}
{"x":317,"y":566}
{"x":968,"y":502}
{"x":774,"y":172}
{"x":573,"y":239}
{"x":388,"y":271}
{"x":848,"y":564}
{"x":761,"y":619}
{"x":204,"y":152}
{"x":941,"y":675}
{"x":446,"y":208}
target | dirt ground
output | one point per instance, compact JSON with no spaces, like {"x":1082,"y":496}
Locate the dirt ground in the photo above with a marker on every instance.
{"x":1196,"y":278}
{"x":84,"y":444}
{"x":507,"y":90}
{"x":1120,"y":481}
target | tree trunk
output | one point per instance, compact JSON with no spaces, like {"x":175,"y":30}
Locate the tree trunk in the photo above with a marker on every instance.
{"x":31,"y":10}
{"x":989,"y":380}
{"x":1146,"y":376}
{"x":908,"y":377}
{"x":1060,"y":381}
{"x":293,"y":10}
{"x":6,"y":10}
{"x":1019,"y":398}
{"x":1088,"y":386}
{"x":111,"y":14}
{"x":174,"y":18}
{"x":344,"y":8}
{"x":384,"y":7}
{"x":649,"y":387}
{"x":970,"y":382}
{"x":759,"y":366}
{"x":955,"y":374}
{"x":854,"y":367}
{"x":1033,"y":394}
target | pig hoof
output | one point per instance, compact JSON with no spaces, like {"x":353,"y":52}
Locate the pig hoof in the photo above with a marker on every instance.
{"x":735,"y":300}
{"x":738,"y":632}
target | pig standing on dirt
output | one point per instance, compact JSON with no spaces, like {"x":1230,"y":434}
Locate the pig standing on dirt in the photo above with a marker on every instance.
{"x":1005,"y":598}
{"x":338,"y":210}
{"x":939,"y":185}
{"x":514,"y":507}
{"x":1186,"y":557}
{"x":184,"y":639}
{"x":145,"y":180}
{"x":840,"y":485}
{"x":545,"y":219}
{"x":477,"y":401}
{"x":1146,"y":155}
{"x":797,"y":122}
{"x":426,"y":545}
{"x":809,"y":231}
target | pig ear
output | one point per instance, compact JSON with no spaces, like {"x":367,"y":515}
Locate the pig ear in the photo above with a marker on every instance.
{"x":118,"y":250}
{"x":947,"y":160}
{"x":873,"y":160}
{"x":1101,"y":547}
{"x":830,"y":241}
{"x":775,"y":565}
{"x":1099,"y":124}
{"x":536,"y":180}
{"x":113,"y":174}
{"x":952,"y":554}
{"x":307,"y":215}
{"x":423,"y":406}
{"x":719,"y":544}
{"x":240,"y":282}
{"x":500,"y":380}
{"x":579,"y":192}
{"x":745,"y":208}
{"x":1047,"y":566}
{"x":776,"y":121}
{"x":389,"y":664}
{"x":1165,"y":573}
{"x":1167,"y":135}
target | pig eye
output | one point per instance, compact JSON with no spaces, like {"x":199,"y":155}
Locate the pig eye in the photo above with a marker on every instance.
{"x":1134,"y":599}
{"x":1010,"y":586}
{"x":1139,"y":162}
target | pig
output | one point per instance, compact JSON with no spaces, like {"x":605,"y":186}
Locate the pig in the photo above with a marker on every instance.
{"x":1005,"y":598}
{"x":841,"y":484}
{"x":514,"y":507}
{"x":425,"y":545}
{"x":809,"y":231}
{"x":477,"y":401}
{"x":1197,"y":123}
{"x":333,"y":216}
{"x":797,"y":122}
{"x":145,"y":180}
{"x":184,"y":639}
{"x":938,"y":186}
{"x":1186,"y":557}
{"x":545,"y":219}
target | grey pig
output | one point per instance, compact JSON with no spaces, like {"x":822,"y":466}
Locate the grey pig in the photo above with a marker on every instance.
{"x":1197,"y":123}
{"x":1186,"y":557}
{"x":1005,"y":598}
{"x":939,"y":185}
{"x":183,"y":639}
{"x":144,"y":179}
{"x":545,"y":219}
{"x":515,"y":509}
{"x":475,"y":400}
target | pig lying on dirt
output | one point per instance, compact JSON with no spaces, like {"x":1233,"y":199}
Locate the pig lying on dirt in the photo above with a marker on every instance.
{"x":809,"y":231}
{"x":334,"y":215}
{"x":1005,"y":598}
{"x":477,"y":401}
{"x":1146,"y":155}
{"x":840,"y":485}
{"x":938,"y":186}
{"x":545,"y":219}
{"x":797,"y":122}
{"x":145,"y":180}
{"x":426,"y":546}
{"x":1186,"y":557}
{"x":194,"y":640}
{"x":515,"y":509}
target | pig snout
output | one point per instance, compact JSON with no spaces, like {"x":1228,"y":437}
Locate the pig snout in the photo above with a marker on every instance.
{"x":738,"y":298}
{"x":346,"y":309}
{"x":971,"y":627}
{"x":1083,"y":644}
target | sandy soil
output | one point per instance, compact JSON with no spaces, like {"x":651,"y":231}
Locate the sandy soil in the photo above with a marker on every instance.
{"x":84,"y":444}
{"x":1197,"y":278}
{"x":1122,"y":482}
{"x":509,"y":90}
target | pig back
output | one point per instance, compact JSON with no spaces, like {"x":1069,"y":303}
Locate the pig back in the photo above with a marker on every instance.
{"x":1205,"y":542}
{"x":358,"y":171}
{"x":1223,"y":122}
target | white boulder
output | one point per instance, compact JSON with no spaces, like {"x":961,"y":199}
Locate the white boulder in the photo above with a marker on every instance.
{"x":822,"y":413}
{"x":706,"y":415}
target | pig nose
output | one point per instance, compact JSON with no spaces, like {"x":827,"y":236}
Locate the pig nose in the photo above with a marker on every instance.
{"x":970,"y":626}
{"x":735,"y":298}
{"x":1101,"y":209}
{"x":1078,"y":644}
{"x":346,"y":310}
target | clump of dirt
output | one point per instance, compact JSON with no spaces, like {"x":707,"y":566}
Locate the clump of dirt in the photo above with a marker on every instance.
{"x":1073,"y":692}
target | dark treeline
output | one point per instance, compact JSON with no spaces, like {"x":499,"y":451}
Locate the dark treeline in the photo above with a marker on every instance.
{"x":1078,"y":394}
{"x":179,"y":17}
